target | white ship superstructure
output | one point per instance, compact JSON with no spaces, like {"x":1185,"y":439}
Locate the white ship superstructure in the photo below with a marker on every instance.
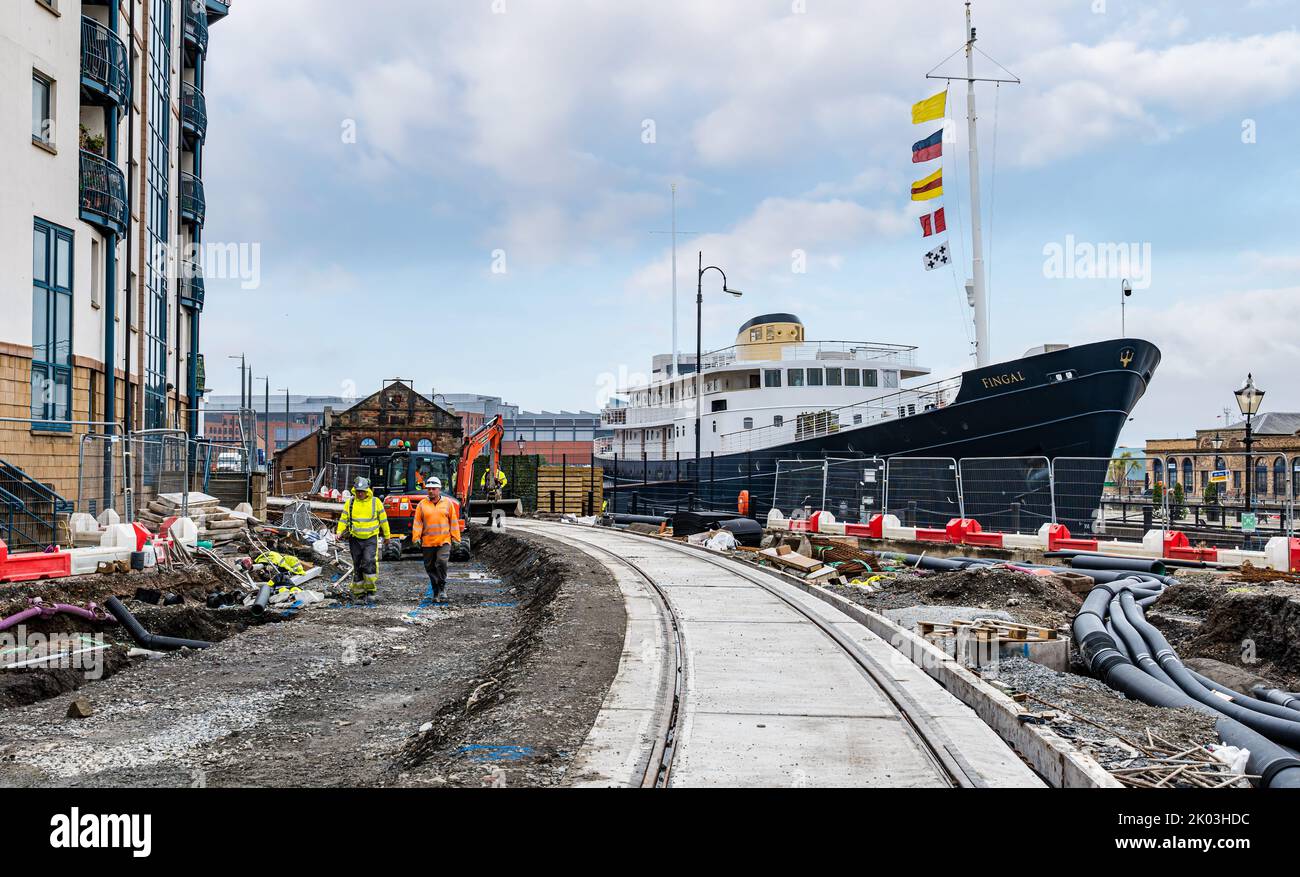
{"x":771,"y":387}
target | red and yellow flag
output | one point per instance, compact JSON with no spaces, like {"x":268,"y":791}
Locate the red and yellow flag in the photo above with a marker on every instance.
{"x":928,"y":187}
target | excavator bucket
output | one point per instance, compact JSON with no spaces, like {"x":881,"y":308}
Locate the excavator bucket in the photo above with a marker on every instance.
{"x":483,"y":508}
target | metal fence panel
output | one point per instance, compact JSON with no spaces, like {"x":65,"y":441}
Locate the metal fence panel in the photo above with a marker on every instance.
{"x":855,"y":488}
{"x":799,"y":485}
{"x":922,"y":491}
{"x":1007,"y":494}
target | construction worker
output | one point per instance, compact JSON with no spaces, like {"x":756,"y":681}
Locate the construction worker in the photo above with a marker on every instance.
{"x":502,"y":481}
{"x":436,"y":528}
{"x":364,"y":522}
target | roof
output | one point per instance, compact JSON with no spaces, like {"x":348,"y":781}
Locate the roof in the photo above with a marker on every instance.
{"x":1272,"y":423}
{"x":770,"y":318}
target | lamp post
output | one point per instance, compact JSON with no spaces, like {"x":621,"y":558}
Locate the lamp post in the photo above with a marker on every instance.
{"x":699,"y":352}
{"x":1126,"y":289}
{"x":1249,"y":398}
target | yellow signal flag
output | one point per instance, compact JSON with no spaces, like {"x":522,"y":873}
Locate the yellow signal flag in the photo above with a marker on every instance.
{"x":931,"y":108}
{"x":928,"y":187}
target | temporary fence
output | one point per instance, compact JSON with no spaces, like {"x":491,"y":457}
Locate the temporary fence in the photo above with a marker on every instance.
{"x":1124,"y":495}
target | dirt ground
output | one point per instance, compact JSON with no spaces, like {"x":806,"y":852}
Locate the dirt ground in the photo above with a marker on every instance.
{"x":337,"y":694}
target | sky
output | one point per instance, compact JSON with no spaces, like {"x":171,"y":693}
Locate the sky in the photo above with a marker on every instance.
{"x":464,"y":193}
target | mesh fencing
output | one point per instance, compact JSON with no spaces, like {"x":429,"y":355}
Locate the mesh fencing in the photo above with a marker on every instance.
{"x":855,"y":488}
{"x":1007,"y":494}
{"x":922,"y":491}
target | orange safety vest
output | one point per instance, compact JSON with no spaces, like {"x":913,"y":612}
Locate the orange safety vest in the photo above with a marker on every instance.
{"x":436,"y":523}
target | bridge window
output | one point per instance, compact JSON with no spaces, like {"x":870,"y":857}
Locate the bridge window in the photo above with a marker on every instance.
{"x":771,"y":377}
{"x":794,"y":377}
{"x":852,"y":377}
{"x":814,"y":377}
{"x":869,"y":378}
{"x":833,"y":377}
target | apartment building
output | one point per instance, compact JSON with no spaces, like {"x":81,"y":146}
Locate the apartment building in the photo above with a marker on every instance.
{"x":101,"y":223}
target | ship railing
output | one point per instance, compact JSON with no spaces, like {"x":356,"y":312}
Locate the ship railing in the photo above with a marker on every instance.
{"x":817,"y":424}
{"x":867,"y":351}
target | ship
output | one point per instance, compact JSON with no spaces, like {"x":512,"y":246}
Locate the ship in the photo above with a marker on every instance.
{"x":701,"y":431}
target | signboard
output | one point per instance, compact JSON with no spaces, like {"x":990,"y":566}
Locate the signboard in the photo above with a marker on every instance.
{"x":1248,"y":522}
{"x":1219,"y":476}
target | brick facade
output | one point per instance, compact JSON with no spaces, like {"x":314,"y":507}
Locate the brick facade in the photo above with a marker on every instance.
{"x":396,"y":413}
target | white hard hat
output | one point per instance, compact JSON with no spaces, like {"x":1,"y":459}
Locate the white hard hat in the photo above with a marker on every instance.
{"x":362,"y":484}
{"x":432,"y":482}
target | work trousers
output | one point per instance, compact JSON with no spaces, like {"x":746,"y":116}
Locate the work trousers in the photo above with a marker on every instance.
{"x":365,"y":565}
{"x":435,"y":564}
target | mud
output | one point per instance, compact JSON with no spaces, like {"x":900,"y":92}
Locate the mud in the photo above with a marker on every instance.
{"x":1027,"y":598}
{"x":334,"y":695}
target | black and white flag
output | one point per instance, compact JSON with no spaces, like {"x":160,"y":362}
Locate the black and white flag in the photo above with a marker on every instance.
{"x":936,"y":257}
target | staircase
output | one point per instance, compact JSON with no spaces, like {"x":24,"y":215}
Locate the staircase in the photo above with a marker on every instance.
{"x":29,"y":510}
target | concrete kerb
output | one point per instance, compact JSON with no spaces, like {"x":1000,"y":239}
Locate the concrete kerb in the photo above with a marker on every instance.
{"x":1059,"y":762}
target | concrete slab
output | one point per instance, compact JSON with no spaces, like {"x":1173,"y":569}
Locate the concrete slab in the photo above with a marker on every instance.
{"x":779,"y":751}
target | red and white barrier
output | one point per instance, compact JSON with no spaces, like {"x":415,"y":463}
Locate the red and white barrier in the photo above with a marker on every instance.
{"x":1280,"y":553}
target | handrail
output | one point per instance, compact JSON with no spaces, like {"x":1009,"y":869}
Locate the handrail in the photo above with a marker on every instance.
{"x":103,"y":193}
{"x":193,"y":200}
{"x":194,"y":108}
{"x":104,"y":60}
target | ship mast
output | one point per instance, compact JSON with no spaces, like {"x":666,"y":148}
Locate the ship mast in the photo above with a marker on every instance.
{"x":976,"y":293}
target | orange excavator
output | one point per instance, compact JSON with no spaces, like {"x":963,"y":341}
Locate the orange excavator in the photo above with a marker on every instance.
{"x":412,"y":469}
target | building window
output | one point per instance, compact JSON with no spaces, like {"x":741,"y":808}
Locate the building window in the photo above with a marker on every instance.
{"x":749,"y":423}
{"x":424,"y":446}
{"x":833,"y":378}
{"x":368,"y":443}
{"x":814,"y":377}
{"x":1157,"y":472}
{"x":51,"y":382}
{"x":794,"y":377}
{"x":772,"y":377}
{"x":42,"y":110}
{"x":852,"y":377}
{"x":1279,"y":477}
{"x":1188,"y":480}
{"x":1261,"y":477}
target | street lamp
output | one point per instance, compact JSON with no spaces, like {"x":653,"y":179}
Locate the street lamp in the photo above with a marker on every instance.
{"x":1126,"y":289}
{"x":699,"y":352}
{"x":1249,"y":398}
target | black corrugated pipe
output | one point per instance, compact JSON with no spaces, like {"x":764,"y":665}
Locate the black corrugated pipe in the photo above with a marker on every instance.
{"x":1167,"y":561}
{"x":1137,"y":647}
{"x":1274,"y":764}
{"x":1281,"y":730}
{"x":263,"y":597}
{"x":144,"y":637}
{"x":1126,"y":564}
{"x":1277,"y":696}
{"x":1260,"y":706}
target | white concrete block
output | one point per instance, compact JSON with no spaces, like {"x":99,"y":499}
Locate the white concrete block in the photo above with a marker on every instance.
{"x":118,"y":536}
{"x":109,"y":517}
{"x":87,"y":560}
{"x":184,"y":531}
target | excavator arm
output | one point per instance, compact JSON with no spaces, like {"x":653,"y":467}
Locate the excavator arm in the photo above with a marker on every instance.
{"x":487,"y":437}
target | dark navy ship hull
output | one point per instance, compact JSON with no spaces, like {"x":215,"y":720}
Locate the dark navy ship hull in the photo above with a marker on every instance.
{"x":1065,"y":403}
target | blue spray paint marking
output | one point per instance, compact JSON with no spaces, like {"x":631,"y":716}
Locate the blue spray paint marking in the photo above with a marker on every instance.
{"x":427,"y":602}
{"x":500,"y":605}
{"x":482,"y":753}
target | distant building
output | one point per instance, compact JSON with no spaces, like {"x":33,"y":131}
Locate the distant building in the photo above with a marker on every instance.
{"x":394,"y":416}
{"x":306,"y":414}
{"x":1275,"y":457}
{"x":554,"y":435}
{"x":475,"y":409}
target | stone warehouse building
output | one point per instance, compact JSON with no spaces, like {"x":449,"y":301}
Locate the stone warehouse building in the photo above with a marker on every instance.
{"x":1275,"y":458}
{"x":103,"y":199}
{"x":389,"y":418}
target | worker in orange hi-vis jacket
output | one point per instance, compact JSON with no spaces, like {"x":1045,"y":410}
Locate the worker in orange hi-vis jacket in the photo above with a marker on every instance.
{"x":436,"y":529}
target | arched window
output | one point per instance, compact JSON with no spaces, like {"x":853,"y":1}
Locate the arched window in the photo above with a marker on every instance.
{"x":425,"y":445}
{"x":1158,"y":471}
{"x":395,"y":443}
{"x":1261,"y":477}
{"x":1189,"y":481}
{"x":368,"y":443}
{"x":1173,"y":471}
{"x":1279,"y":477}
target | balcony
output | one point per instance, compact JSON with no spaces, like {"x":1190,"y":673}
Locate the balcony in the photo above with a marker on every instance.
{"x":103,"y":194}
{"x":193,"y":205}
{"x":105,"y":71}
{"x":196,"y":27}
{"x":190,"y":286}
{"x":194,"y":112}
{"x":217,"y":10}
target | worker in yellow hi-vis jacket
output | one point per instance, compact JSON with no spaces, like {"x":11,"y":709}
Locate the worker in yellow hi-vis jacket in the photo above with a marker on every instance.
{"x":364,"y":522}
